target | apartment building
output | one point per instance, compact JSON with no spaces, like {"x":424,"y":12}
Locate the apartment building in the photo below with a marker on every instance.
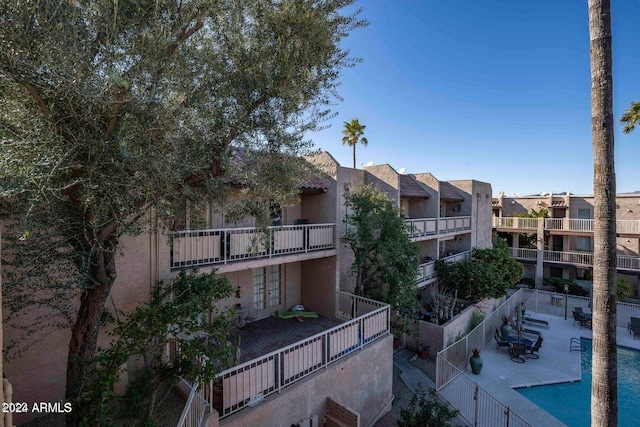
{"x":561,"y":245}
{"x":286,"y":370}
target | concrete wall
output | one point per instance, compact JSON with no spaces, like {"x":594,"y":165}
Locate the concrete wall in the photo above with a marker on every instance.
{"x":433,"y":188}
{"x":385,"y":179}
{"x":318,"y":286}
{"x":361,"y":381}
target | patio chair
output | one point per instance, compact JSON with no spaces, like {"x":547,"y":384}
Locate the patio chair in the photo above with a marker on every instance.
{"x":500,"y":342}
{"x":634,"y":326}
{"x":532,"y":352}
{"x":581,"y":319}
{"x":517,"y":352}
{"x":252,"y":314}
{"x":578,"y":310}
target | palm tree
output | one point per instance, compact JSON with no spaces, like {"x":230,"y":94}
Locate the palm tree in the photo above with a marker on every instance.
{"x":631,"y":117}
{"x":604,"y":390}
{"x":353,"y":132}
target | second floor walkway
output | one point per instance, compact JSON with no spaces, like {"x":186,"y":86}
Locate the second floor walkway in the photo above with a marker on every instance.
{"x":574,"y":225}
{"x":576,"y":258}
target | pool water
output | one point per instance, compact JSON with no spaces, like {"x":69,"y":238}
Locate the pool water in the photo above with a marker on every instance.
{"x":571,"y":402}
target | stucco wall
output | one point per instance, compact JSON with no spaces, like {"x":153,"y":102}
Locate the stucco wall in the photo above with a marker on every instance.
{"x":318,"y":286}
{"x":361,"y":381}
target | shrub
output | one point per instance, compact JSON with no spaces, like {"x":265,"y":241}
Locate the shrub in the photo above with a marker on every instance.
{"x":624,"y":288}
{"x":426,"y":411}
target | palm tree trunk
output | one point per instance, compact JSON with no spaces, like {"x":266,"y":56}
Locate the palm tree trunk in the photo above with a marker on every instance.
{"x":604,"y":392}
{"x":354,"y":155}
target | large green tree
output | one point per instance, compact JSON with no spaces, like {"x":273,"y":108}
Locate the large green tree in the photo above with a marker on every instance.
{"x":353,"y":133}
{"x":385,"y":261}
{"x":604,"y":389}
{"x":110,"y":110}
{"x":488,"y":274}
{"x":631,"y":117}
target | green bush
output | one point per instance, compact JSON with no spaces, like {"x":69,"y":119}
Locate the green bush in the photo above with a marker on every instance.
{"x":624,"y":288}
{"x":426,"y":411}
{"x":574,"y":288}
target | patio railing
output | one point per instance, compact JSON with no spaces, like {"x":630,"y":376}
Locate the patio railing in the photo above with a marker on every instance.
{"x":195,"y":409}
{"x":454,"y":224}
{"x":476,"y":405}
{"x":427,"y":271}
{"x":220,"y":246}
{"x":578,"y":258}
{"x":250,"y":382}
{"x":623,"y":226}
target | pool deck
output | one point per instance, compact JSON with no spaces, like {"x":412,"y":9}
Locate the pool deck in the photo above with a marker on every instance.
{"x":500,"y":376}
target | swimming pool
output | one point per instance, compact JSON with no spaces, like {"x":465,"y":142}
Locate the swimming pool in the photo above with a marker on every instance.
{"x":571,"y":402}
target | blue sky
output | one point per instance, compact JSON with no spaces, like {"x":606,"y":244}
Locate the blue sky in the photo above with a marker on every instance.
{"x":494,"y":90}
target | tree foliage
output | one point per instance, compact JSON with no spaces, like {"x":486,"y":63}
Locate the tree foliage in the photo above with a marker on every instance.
{"x":528,"y":240}
{"x":385,"y":261}
{"x":488,"y":274}
{"x":178,"y":312}
{"x":631,"y":117}
{"x":353,"y":133}
{"x":112,"y":110}
{"x":426,"y":411}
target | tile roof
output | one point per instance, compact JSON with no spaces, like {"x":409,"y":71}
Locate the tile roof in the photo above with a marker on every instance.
{"x":495,"y":203}
{"x":449,"y":193}
{"x":239,"y":159}
{"x":559,"y":204}
{"x":410,"y":188}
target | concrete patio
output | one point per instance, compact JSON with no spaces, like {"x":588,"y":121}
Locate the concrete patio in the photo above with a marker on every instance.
{"x":500,"y":376}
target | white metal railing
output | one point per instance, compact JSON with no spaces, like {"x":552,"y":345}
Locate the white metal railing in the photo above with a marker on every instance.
{"x":252,"y":381}
{"x":624,"y":262}
{"x":419,"y":227}
{"x":460,"y":256}
{"x":476,"y":405}
{"x":426,"y":272}
{"x":567,"y":224}
{"x":454,"y":224}
{"x":577,"y":258}
{"x":624,"y":226}
{"x":195,"y":409}
{"x":515,"y":222}
{"x":220,"y":246}
{"x":547,"y":302}
{"x":523,"y":253}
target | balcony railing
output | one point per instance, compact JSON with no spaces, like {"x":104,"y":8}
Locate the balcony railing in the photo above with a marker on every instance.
{"x":419,"y":227}
{"x":250,"y":382}
{"x":624,"y":262}
{"x":565,"y":224}
{"x":427,"y":271}
{"x":516,"y":223}
{"x":454,"y":224}
{"x":220,"y":246}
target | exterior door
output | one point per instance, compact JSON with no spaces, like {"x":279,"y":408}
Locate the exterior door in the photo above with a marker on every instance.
{"x":267,"y":290}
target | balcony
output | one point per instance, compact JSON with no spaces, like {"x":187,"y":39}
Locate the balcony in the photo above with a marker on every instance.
{"x":422,"y":228}
{"x":623,"y":227}
{"x":221,"y":246}
{"x":427,"y":271}
{"x":263,"y":373}
{"x":579,"y":259}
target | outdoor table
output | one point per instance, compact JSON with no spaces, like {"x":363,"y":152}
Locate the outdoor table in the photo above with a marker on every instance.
{"x":526,"y":341}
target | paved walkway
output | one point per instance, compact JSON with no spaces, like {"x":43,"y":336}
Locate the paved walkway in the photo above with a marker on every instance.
{"x":410,"y":375}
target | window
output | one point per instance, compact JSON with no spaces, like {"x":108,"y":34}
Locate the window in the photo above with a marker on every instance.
{"x":584,"y":213}
{"x":583,"y":243}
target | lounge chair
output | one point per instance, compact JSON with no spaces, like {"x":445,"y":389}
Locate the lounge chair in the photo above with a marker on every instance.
{"x":634,"y":326}
{"x":532,"y":352}
{"x":517,"y":352}
{"x":581,"y":319}
{"x":535,"y":322}
{"x":500,"y":342}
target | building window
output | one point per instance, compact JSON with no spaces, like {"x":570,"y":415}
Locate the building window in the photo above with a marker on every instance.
{"x":584,"y":213}
{"x":259,"y":287}
{"x":583,"y":243}
{"x":275,"y":286}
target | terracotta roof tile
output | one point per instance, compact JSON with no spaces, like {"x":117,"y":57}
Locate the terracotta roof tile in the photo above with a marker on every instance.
{"x":449,"y":193}
{"x":410,"y":188}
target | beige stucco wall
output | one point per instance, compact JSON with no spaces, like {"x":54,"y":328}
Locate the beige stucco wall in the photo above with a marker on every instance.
{"x":433,"y":188}
{"x":386,"y":179}
{"x":361,"y":381}
{"x":318,"y":285}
